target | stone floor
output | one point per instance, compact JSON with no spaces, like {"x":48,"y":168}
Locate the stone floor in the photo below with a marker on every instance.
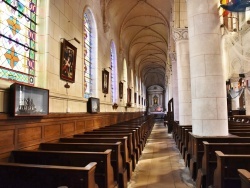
{"x":160,"y":165}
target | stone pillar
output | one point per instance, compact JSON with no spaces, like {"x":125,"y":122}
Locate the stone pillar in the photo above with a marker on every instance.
{"x":209,"y":104}
{"x":183,"y":69}
{"x":175,"y":86}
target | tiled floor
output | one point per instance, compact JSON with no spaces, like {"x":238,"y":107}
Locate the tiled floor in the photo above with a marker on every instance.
{"x":160,"y":165}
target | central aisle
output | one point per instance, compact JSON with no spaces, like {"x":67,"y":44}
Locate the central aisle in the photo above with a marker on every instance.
{"x":161,"y":164}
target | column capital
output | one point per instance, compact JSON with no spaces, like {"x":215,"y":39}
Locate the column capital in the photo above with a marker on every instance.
{"x":180,"y":34}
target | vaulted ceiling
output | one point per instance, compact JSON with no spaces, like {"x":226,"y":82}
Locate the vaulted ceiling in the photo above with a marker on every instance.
{"x":144,"y":29}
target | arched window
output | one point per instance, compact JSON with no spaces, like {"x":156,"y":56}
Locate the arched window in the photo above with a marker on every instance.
{"x":89,"y":34}
{"x":113,"y":60}
{"x":18,"y":40}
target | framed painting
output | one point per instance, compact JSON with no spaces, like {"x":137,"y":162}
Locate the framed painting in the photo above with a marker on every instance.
{"x":105,"y":81}
{"x":129,"y":95}
{"x":68,"y":61}
{"x":120,"y":90}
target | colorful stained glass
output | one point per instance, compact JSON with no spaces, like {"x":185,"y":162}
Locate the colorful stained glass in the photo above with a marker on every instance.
{"x":87,"y":57}
{"x":18,"y":40}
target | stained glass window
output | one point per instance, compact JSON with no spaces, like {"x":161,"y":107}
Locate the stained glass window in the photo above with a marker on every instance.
{"x":87,"y":56}
{"x":18,"y":40}
{"x":113,"y":72}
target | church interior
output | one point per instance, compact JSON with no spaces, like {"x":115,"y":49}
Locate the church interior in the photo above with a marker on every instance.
{"x":137,"y":77}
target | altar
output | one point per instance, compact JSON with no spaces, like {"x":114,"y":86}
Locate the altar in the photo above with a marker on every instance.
{"x":158,"y":115}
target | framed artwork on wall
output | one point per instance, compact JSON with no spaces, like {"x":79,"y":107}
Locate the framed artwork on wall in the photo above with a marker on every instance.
{"x":68,"y":61}
{"x":105,"y":81}
{"x":120,"y":90}
{"x":129,"y":95}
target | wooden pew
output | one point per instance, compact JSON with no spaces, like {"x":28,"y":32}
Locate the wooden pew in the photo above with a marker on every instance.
{"x":196,"y":148}
{"x":97,"y":139}
{"x":205,"y":173}
{"x":244,"y":178}
{"x":134,"y":138}
{"x":127,"y":163}
{"x":226,"y":174}
{"x":139,"y":144}
{"x":184,"y":139}
{"x":104,"y":173}
{"x":140,"y":128}
{"x":180,"y":135}
{"x":116,"y":158}
{"x":135,"y":150}
{"x":114,"y":135}
{"x":144,"y":129}
{"x":13,"y":175}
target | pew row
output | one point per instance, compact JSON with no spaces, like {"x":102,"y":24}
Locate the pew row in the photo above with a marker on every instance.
{"x":136,"y":150}
{"x":127,"y":163}
{"x":226,"y":173}
{"x":120,"y":172}
{"x":104,"y":174}
{"x":196,"y":148}
{"x":13,"y":175}
{"x":131,"y":141}
{"x":205,"y":173}
{"x":244,"y":178}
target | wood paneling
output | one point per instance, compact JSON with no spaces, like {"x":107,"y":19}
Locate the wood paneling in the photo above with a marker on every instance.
{"x":29,"y":132}
{"x":52,"y":131}
{"x":68,"y":128}
{"x":6,"y":138}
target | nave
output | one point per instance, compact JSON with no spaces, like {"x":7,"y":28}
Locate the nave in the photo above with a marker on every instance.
{"x":161,"y":164}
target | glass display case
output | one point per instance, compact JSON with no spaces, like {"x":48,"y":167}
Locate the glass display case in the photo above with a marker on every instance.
{"x":28,"y":100}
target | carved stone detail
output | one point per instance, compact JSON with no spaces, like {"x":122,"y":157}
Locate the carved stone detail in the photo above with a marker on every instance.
{"x":180,"y":34}
{"x":172,"y":56}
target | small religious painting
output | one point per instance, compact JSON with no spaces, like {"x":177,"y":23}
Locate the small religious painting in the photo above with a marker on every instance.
{"x":105,"y":81}
{"x":120,"y":90}
{"x":68,"y":61}
{"x":129,"y":95}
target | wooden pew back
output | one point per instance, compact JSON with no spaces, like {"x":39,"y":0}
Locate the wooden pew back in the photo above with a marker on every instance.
{"x":14,"y":175}
{"x":209,"y":157}
{"x":104,"y":174}
{"x":226,"y":174}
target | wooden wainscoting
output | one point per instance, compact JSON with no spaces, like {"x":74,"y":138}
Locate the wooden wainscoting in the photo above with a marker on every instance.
{"x":29,"y":132}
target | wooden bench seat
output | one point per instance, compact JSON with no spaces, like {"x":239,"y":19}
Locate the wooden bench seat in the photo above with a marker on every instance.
{"x":141,"y":133}
{"x":104,"y":173}
{"x":196,"y":148}
{"x":244,"y":178}
{"x":138,"y":141}
{"x":120,"y":173}
{"x":144,"y":129}
{"x":13,"y":175}
{"x":127,"y":163}
{"x":226,"y":174}
{"x":205,"y":173}
{"x":135,"y":151}
{"x":135,"y":141}
{"x":113,"y":135}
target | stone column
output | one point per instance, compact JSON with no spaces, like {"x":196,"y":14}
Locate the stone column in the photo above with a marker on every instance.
{"x":209,"y":104}
{"x":175,"y":86}
{"x":183,"y":69}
